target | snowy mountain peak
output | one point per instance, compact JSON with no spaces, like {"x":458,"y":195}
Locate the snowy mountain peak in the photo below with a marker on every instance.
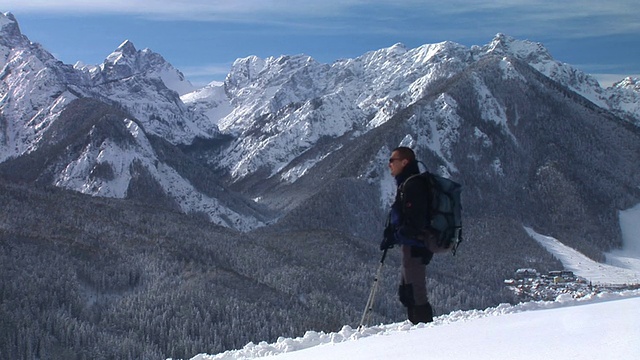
{"x":398,"y":48}
{"x":10,"y":34}
{"x":8,"y":22}
{"x":244,"y":70}
{"x":272,"y":70}
{"x":628,"y":83}
{"x":127,"y":61}
{"x":526,"y":50}
{"x":80,"y":65}
{"x":126,"y":49}
{"x":537,"y":56}
{"x":125,"y":54}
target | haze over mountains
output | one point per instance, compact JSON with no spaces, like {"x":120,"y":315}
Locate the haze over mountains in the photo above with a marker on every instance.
{"x":281,"y":173}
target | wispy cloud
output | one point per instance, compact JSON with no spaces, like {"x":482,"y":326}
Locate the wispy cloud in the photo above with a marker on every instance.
{"x":471,"y":22}
{"x":569,"y":18}
{"x":193,"y":9}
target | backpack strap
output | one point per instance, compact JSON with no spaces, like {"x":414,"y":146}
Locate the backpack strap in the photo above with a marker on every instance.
{"x":425,"y":177}
{"x":401,"y":189}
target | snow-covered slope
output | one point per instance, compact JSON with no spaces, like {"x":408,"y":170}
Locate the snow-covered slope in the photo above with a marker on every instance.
{"x":624,"y":97}
{"x":597,"y":325}
{"x":482,"y":334}
{"x":211,"y":100}
{"x":601,"y":324}
{"x":282,"y":107}
{"x":536,"y":55}
{"x":605,"y":326}
{"x":96,"y":149}
{"x":627,"y":272}
{"x":36,"y":89}
{"x":107,"y":165}
{"x":622,"y":266}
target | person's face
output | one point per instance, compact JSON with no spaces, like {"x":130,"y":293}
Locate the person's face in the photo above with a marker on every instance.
{"x":396,"y":163}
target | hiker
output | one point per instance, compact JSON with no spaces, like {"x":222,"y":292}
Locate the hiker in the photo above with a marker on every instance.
{"x":407,"y":217}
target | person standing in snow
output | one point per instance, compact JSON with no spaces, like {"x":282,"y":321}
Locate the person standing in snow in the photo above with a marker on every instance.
{"x":407,"y":218}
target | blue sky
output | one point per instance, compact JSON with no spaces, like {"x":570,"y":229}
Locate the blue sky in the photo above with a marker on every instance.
{"x":202,"y":38}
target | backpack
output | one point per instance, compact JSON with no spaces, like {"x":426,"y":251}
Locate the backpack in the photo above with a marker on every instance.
{"x":444,"y":232}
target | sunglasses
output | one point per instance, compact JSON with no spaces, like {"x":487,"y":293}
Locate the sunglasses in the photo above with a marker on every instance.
{"x":394,"y":159}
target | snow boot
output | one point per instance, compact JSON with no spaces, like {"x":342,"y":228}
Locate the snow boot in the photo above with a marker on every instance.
{"x":420,"y":313}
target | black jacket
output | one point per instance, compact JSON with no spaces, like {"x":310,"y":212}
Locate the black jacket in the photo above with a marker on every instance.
{"x":409,"y":212}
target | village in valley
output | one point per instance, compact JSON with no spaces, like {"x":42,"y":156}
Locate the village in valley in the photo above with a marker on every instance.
{"x":530,"y":285}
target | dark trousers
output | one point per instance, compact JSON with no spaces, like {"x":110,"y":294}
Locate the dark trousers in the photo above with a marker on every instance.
{"x":413,"y":284}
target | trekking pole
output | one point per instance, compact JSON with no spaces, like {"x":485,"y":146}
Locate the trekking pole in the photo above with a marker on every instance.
{"x":369,"y":307}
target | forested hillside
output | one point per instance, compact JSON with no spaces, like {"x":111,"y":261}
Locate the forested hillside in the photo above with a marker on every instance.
{"x":84,"y":277}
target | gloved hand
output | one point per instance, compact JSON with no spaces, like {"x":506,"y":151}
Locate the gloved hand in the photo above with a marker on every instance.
{"x":388,"y":238}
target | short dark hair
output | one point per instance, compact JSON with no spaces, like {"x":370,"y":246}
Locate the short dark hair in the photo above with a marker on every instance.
{"x":406,"y":153}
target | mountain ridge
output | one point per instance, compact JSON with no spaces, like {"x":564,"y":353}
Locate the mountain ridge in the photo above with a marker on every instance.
{"x":274,"y":120}
{"x":147,"y":211}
